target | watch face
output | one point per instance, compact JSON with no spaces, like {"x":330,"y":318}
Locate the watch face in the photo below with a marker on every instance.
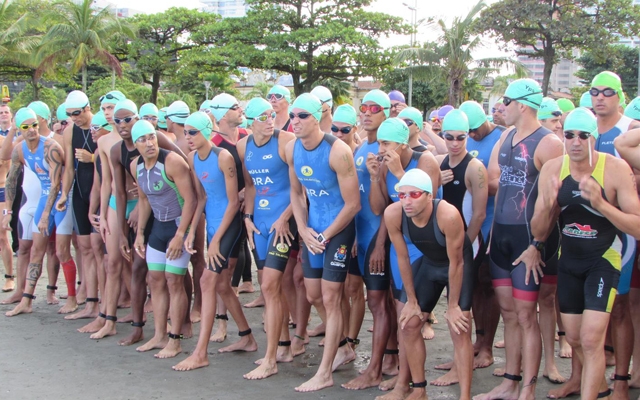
{"x":320,"y":238}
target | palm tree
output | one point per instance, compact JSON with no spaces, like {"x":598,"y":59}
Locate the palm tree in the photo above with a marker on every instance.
{"x":450,"y":56}
{"x":500,"y":83}
{"x":340,"y":90}
{"x":260,"y":89}
{"x":81,"y":36}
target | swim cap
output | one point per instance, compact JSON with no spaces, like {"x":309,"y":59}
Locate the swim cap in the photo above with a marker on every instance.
{"x":140,"y":129}
{"x":397,"y":96}
{"x":205,"y":105}
{"x":394,"y":130}
{"x":162,"y":118}
{"x":61,"y":113}
{"x":310,"y":103}
{"x":582,"y":119}
{"x":323,"y":94}
{"x":99,"y":120}
{"x":178,"y":111}
{"x":256,"y":107}
{"x":244,"y":122}
{"x":474,"y":112}
{"x":633,"y":109}
{"x":279,"y":89}
{"x":548,"y":109}
{"x":526,"y":91}
{"x":201,"y":122}
{"x":148,"y":109}
{"x":126,"y":105}
{"x":221,"y":104}
{"x":585,"y":100}
{"x":565,"y":105}
{"x":380,"y":98}
{"x":76,"y":99}
{"x":113,"y":97}
{"x":623,"y":99}
{"x":417,"y":178}
{"x":443,"y":111}
{"x":413,"y":114}
{"x":41,"y":109}
{"x":434,"y":114}
{"x":456,"y":120}
{"x":24,"y":114}
{"x":608,"y":79}
{"x":346,"y":114}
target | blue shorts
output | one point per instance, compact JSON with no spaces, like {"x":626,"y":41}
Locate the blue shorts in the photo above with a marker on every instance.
{"x":61,"y":220}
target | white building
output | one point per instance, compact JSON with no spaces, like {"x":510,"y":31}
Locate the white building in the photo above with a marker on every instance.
{"x":226,"y":8}
{"x":562,"y":75}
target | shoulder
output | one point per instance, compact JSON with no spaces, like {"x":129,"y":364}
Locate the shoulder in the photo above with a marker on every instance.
{"x":285,"y":137}
{"x":440,"y":158}
{"x":393,"y":212}
{"x":552,"y":166}
{"x":447,"y":212}
{"x":614,"y":164}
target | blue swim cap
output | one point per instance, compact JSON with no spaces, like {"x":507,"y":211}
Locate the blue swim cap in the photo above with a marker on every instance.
{"x":323,"y":94}
{"x":413,"y":114}
{"x":76,"y":99}
{"x":345,"y":114}
{"x":279,"y":89}
{"x":380,"y":98}
{"x":148,"y":109}
{"x":140,"y":129}
{"x":41,"y":109}
{"x":221,"y":104}
{"x":201,"y":122}
{"x":178,"y":112}
{"x":24,"y":114}
{"x":309,"y":103}
{"x":393,"y":130}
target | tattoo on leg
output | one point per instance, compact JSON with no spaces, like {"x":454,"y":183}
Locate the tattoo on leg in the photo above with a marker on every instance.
{"x":33,"y":273}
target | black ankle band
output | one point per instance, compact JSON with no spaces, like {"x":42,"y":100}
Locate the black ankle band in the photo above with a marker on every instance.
{"x":610,"y":349}
{"x":391,"y":351}
{"x":354,"y":341}
{"x":222,"y":316}
{"x":111,"y":318}
{"x":149,"y":295}
{"x":430,"y":320}
{"x":101,"y":315}
{"x":92,"y":299}
{"x":79,"y":283}
{"x":561,"y":333}
{"x":137,"y":324}
{"x":29,"y":296}
{"x":7,"y":276}
{"x":604,"y":394}
{"x":51,"y":287}
{"x":298,"y":337}
{"x":617,"y":377}
{"x":516,"y":378}
{"x":293,"y":326}
{"x":419,"y":384}
{"x":244,"y":333}
{"x":479,"y":331}
{"x":342,"y":342}
{"x":174,"y":336}
{"x":284,"y":343}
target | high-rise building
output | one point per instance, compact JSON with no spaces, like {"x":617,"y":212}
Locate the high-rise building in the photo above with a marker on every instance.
{"x":562,"y":75}
{"x":226,"y":8}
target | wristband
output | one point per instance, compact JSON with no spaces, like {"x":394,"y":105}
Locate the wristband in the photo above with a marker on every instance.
{"x":249,"y":216}
{"x":377,"y":180}
{"x":7,"y":212}
{"x":93,"y":158}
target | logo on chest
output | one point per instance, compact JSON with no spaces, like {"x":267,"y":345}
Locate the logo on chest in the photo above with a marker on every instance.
{"x":306,"y":170}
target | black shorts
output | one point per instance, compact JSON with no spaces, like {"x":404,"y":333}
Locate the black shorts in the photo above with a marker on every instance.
{"x":275,"y":257}
{"x":333,"y":264}
{"x":376,"y":281}
{"x":228,"y":243}
{"x":586,"y":284}
{"x":235,"y":251}
{"x":81,"y":224}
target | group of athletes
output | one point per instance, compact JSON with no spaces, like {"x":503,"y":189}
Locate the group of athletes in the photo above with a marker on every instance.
{"x":528,"y":214}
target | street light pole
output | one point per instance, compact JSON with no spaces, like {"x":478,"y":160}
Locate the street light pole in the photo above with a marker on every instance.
{"x":207,"y":85}
{"x":414,"y":12}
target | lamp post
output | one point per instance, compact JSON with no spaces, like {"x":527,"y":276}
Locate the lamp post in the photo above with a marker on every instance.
{"x":207,"y":85}
{"x":414,"y":12}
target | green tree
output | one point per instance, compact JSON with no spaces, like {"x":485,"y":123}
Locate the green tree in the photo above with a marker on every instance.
{"x":53,"y":97}
{"x":552,"y":29}
{"x":312,"y":40}
{"x":427,"y":94}
{"x":340,"y":90}
{"x":621,"y":59}
{"x":260,"y":89}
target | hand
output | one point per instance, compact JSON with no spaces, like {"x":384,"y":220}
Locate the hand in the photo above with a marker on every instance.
{"x":411,"y":309}
{"x":393,"y":162}
{"x":310,"y":239}
{"x":373,"y":165}
{"x":104,"y":228}
{"x":61,"y":205}
{"x":457,"y":320}
{"x":446,"y":176}
{"x":241,"y":195}
{"x":591,"y":191}
{"x":550,"y":193}
{"x":399,"y":107}
{"x":214,"y":257}
{"x":188,"y":243}
{"x":6,"y":222}
{"x":533,"y":262}
{"x":139,"y":246}
{"x":123,"y":245}
{"x":133,"y":219}
{"x":251,"y":230}
{"x":84,"y":156}
{"x":174,"y":250}
{"x":43,"y":224}
{"x":94,"y":219}
{"x":283,"y":234}
{"x":376,"y":260}
{"x":354,"y":249}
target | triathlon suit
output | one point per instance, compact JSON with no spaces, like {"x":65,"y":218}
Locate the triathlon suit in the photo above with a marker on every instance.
{"x":81,"y":193}
{"x":126,"y":157}
{"x":415,"y":256}
{"x":325,"y":202}
{"x":432,"y":275}
{"x":270,"y":175}
{"x":517,"y":194}
{"x":36,"y":162}
{"x":212,"y":179}
{"x":590,"y":261}
{"x":287,"y":126}
{"x":166,"y":205}
{"x":604,"y":144}
{"x":31,"y":195}
{"x":368,"y":224}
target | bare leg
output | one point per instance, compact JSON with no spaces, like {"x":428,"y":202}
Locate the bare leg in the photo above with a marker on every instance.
{"x":486,"y":313}
{"x":634,"y":298}
{"x":160,"y":294}
{"x":7,"y":260}
{"x":90,"y":279}
{"x":198,"y":264}
{"x":139,"y":272}
{"x":34,"y":271}
{"x":53,"y":268}
{"x":547,"y":318}
{"x":303,"y":308}
{"x":622,"y":334}
{"x":178,"y":309}
{"x":247,"y":342}
{"x":24,"y":252}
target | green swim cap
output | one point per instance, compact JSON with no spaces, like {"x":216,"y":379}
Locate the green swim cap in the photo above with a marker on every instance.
{"x":205,"y":105}
{"x":345,"y":114}
{"x":76,"y":99}
{"x":623,"y":99}
{"x":585,"y":100}
{"x":24,"y":114}
{"x":256,"y":107}
{"x":126,"y":105}
{"x":565,"y":105}
{"x":455,"y":120}
{"x":61,"y":113}
{"x":525,"y":91}
{"x":548,"y":109}
{"x":99,"y":120}
{"x":380,"y":98}
{"x":201,"y":122}
{"x":582,"y":119}
{"x":393,"y":130}
{"x":140,"y":129}
{"x":244,"y":122}
{"x":417,"y":178}
{"x":279,"y":89}
{"x":148,"y":109}
{"x":178,"y":111}
{"x":323,"y":94}
{"x":633,"y":109}
{"x":221,"y":104}
{"x":608,"y":79}
{"x":113,"y":97}
{"x":474,"y":112}
{"x":41,"y":109}
{"x":162,"y":118}
{"x":413,"y":114}
{"x":309,"y":103}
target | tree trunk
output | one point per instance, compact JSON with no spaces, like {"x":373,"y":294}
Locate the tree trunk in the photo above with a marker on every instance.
{"x":549,"y":59}
{"x":113,"y":79}
{"x":155,"y":87}
{"x":84,"y":78}
{"x":36,"y":89}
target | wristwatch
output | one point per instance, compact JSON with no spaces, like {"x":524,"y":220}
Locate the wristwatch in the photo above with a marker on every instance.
{"x":538,"y":245}
{"x":321,"y":238}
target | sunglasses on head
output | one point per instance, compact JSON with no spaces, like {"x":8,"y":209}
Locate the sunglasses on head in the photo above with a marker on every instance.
{"x":206,"y":110}
{"x":125,"y":120}
{"x":508,"y":100}
{"x":108,"y":96}
{"x":607,"y":92}
{"x":408,"y":122}
{"x":96,"y":128}
{"x":233,"y":107}
{"x":345,"y":131}
{"x":414,"y":194}
{"x":582,"y":135}
{"x":374,"y":108}
{"x":275,"y":96}
{"x":25,"y":127}
{"x":265,"y":117}
{"x":452,"y":138}
{"x":302,"y":115}
{"x":150,"y":118}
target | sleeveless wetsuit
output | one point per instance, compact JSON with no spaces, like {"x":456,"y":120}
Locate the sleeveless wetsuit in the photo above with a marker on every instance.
{"x":81,"y":139}
{"x":31,"y":197}
{"x":126,"y":157}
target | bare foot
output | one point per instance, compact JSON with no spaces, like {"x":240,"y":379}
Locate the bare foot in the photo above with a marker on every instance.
{"x":483,"y":359}
{"x":498,"y":372}
{"x":282,"y":356}
{"x":69,"y":306}
{"x":148,"y":306}
{"x":395,"y":394}
{"x":553,"y":375}
{"x":109,"y":329}
{"x":9,"y":285}
{"x":448,"y":379}
{"x":186,"y":331}
{"x":125,"y":304}
{"x":24,"y":307}
{"x":136,"y":336}
{"x":417,"y":394}
{"x":321,"y":343}
{"x":127,"y":319}
{"x":156,"y":342}
{"x":370,"y":329}
{"x":171,"y":350}
{"x":571,"y":387}
{"x":51,"y":298}
{"x":297,"y":347}
{"x":433,"y":317}
{"x":499,"y":344}
{"x":195,"y":318}
{"x":90,"y":311}
{"x":565,"y":349}
{"x":389,"y":384}
{"x":246,"y":343}
{"x":444,"y":367}
{"x":259,"y":302}
{"x":315,"y":383}
{"x":364,"y":381}
{"x":317,"y":331}
{"x":610,"y":358}
{"x":634,"y":383}
{"x":221,"y":334}
{"x":93,"y":326}
{"x":620,"y":390}
{"x":246,"y":287}
{"x":390,"y":365}
{"x":427,"y":331}
{"x":194,"y":361}
{"x":344,"y":355}
{"x":507,"y":390}
{"x":14,"y":298}
{"x":264,"y":370}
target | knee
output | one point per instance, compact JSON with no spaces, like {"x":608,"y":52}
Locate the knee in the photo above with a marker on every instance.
{"x":573,"y":338}
{"x":591,"y":342}
{"x":270,"y":288}
{"x":332,"y":301}
{"x":175,"y":283}
{"x":355,"y":290}
{"x":527,"y":317}
{"x":548,"y":300}
{"x":620,"y":309}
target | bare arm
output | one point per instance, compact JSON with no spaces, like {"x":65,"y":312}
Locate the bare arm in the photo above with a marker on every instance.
{"x":493,"y":171}
{"x":550,"y":147}
{"x":393,"y":222}
{"x":54,"y":157}
{"x":431,"y":166}
{"x":476,"y":180}
{"x":177,"y":171}
{"x":227,"y":165}
{"x":200,"y":192}
{"x":298,"y":197}
{"x":67,"y":178}
{"x":627,"y":145}
{"x":7,"y":144}
{"x":165,"y":143}
{"x":430,"y":136}
{"x":120,"y":179}
{"x":450,"y":222}
{"x":11,"y":185}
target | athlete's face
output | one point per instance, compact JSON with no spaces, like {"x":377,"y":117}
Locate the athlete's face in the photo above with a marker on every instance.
{"x":31,"y":132}
{"x":5,"y":114}
{"x":414,"y":130}
{"x":605,"y":106}
{"x":396,"y":107}
{"x":147,"y":145}
{"x":371,"y":121}
{"x":265,"y":127}
{"x":456,"y":141}
{"x":303,"y":127}
{"x":577,"y":148}
{"x":127,"y":118}
{"x":415,"y":200}
{"x":497,"y":111}
{"x":97,"y":132}
{"x":280,"y":105}
{"x":387,"y":147}
{"x":107,"y":110}
{"x":343,"y":131}
{"x":194,"y":141}
{"x":233,"y":116}
{"x":553,"y":124}
{"x":79,"y":116}
{"x":152,"y":119}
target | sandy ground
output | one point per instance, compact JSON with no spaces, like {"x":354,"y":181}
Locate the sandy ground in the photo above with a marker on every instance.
{"x":42,"y":356}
